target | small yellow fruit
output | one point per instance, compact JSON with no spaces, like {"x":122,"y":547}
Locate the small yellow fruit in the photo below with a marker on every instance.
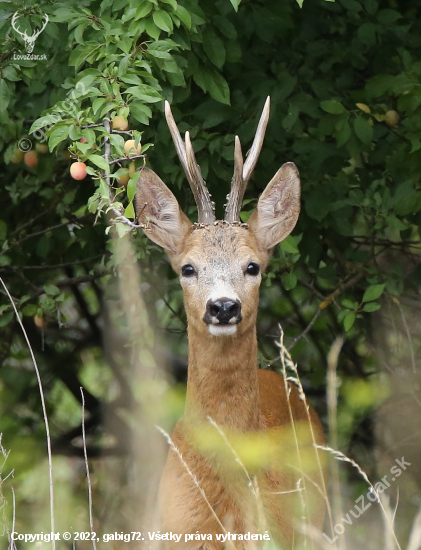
{"x":123,"y":179}
{"x":392,"y":119}
{"x":41,"y":148}
{"x":119,"y":123}
{"x":130,"y":149}
{"x":17,"y":156}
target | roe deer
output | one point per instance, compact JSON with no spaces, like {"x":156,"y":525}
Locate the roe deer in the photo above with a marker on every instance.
{"x":233,"y":466}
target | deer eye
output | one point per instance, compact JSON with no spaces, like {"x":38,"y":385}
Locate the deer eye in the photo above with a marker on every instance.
{"x":253,"y":269}
{"x":188,"y":270}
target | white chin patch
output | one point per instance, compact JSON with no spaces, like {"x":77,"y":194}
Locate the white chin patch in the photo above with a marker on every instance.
{"x":222,"y":330}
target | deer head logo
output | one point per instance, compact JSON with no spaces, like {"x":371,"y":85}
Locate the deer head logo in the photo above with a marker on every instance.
{"x":29,"y":40}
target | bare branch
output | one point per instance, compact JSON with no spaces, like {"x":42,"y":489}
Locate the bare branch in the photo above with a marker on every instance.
{"x":127,"y":158}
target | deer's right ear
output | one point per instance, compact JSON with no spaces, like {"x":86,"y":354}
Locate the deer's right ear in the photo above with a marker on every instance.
{"x":158,"y":209}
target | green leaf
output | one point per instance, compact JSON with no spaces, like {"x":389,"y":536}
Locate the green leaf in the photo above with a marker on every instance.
{"x":333,"y":107}
{"x":5,"y":260}
{"x":81,"y":53}
{"x":5,"y":318}
{"x":235,"y":4}
{"x":171,"y":3}
{"x":103,"y":189}
{"x":349,"y":320}
{"x":289,"y":280}
{"x":363,"y":130}
{"x":152,"y":29}
{"x":372,"y":306}
{"x":289,"y":245}
{"x":145,"y":93}
{"x":213,"y":82}
{"x":129,"y":212}
{"x":4,"y":95}
{"x":214,"y":48}
{"x":44,"y":121}
{"x":125,"y":44}
{"x":349,"y":304}
{"x":393,"y":221}
{"x":162,"y":20}
{"x":131,"y":186}
{"x":58,"y":135}
{"x":9,"y":73}
{"x":373,"y":292}
{"x":343,"y":135}
{"x":184,"y":15}
{"x":140,"y":112}
{"x":98,"y":103}
{"x":30,"y":310}
{"x":51,"y":290}
{"x":143,"y":9}
{"x":388,"y":16}
{"x":300,"y":3}
{"x":100,"y":162}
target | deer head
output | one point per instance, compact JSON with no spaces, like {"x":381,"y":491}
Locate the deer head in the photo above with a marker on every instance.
{"x":219,"y":262}
{"x":29,"y":40}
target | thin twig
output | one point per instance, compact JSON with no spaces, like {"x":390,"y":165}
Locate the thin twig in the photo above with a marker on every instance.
{"x":91,"y":126}
{"x":306,"y":330}
{"x":127,"y":158}
{"x":88,"y":477}
{"x":76,"y":221}
{"x":57,"y":266}
{"x":44,"y":411}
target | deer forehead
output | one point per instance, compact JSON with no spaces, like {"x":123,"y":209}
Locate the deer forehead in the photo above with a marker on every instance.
{"x":219,"y":246}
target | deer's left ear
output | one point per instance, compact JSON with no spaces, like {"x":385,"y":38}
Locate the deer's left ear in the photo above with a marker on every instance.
{"x":278,"y":208}
{"x":158,"y":209}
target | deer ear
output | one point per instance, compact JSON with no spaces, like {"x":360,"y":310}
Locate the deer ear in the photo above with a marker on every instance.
{"x":158,"y":209}
{"x":278,"y":208}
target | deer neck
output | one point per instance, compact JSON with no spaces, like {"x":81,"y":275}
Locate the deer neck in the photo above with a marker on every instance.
{"x":222,"y":380}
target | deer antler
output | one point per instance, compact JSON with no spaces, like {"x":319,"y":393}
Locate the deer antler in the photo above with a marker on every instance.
{"x":205,"y":207}
{"x":242,"y":172}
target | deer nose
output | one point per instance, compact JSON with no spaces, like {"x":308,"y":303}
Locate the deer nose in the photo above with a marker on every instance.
{"x":223,"y":311}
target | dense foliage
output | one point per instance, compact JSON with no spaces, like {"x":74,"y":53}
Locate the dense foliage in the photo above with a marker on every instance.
{"x":345,"y":84}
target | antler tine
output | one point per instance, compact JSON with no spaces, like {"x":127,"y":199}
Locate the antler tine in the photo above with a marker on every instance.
{"x":238,"y":186}
{"x":254,"y":152}
{"x":242,"y":172}
{"x":187,"y":158}
{"x":177,"y":139}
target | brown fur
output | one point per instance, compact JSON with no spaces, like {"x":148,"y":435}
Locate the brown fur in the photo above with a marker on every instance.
{"x":225,"y":388}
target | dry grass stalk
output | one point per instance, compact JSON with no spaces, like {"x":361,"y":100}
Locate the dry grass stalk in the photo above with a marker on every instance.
{"x":343,"y":458}
{"x":44,"y":412}
{"x":284,"y":356}
{"x":287,"y":360}
{"x":388,"y":518}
